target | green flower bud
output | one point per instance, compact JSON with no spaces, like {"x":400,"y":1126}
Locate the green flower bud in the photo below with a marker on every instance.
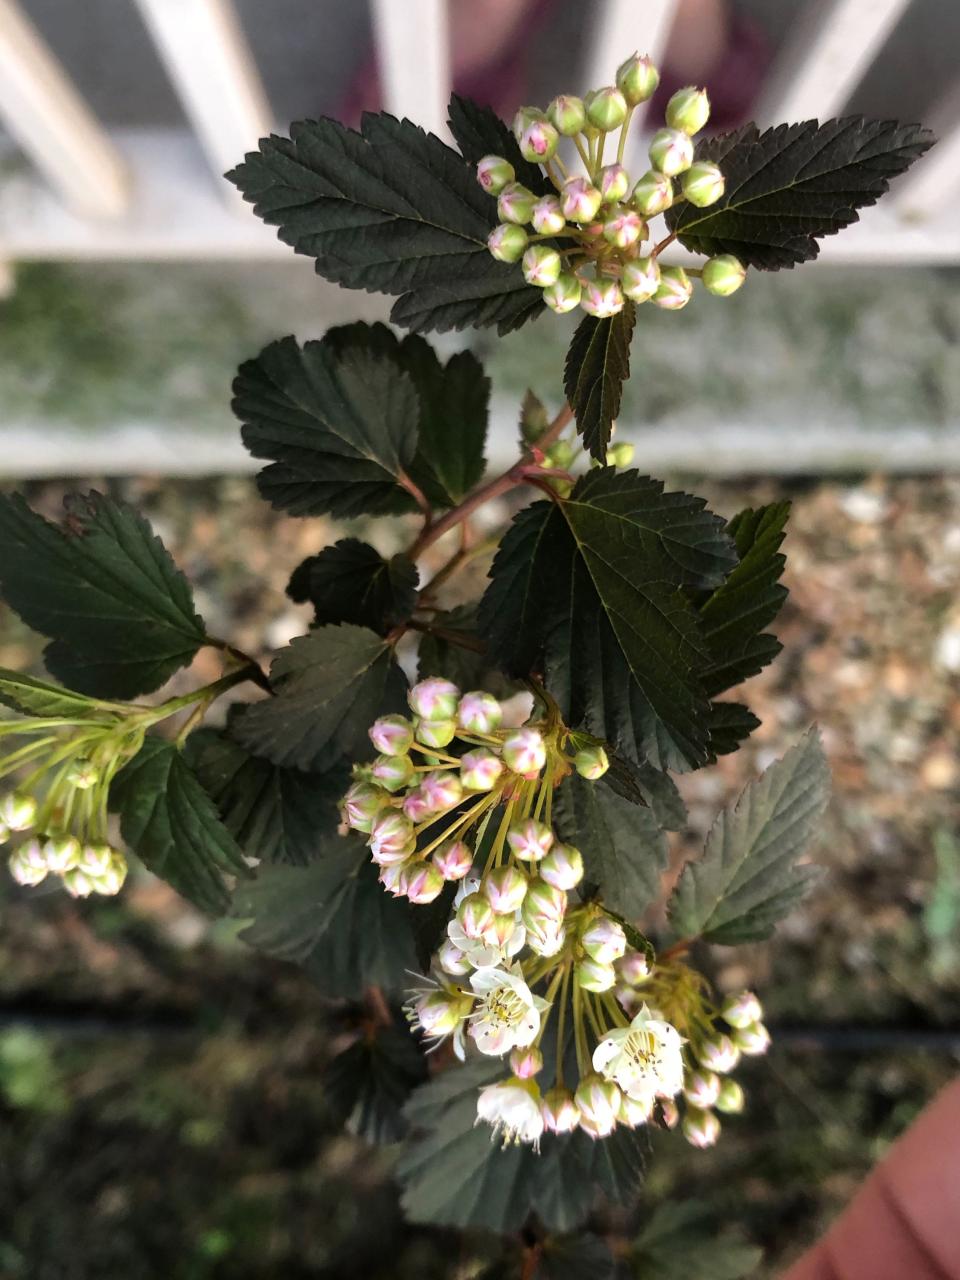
{"x":435,"y":733}
{"x":393,"y":773}
{"x":110,"y":882}
{"x":675,"y":289}
{"x":500,"y":929}
{"x":529,"y":840}
{"x":562,"y":867}
{"x":560,"y":1112}
{"x":730,"y":1099}
{"x":438,"y":1013}
{"x":493,"y":174}
{"x":480,"y":769}
{"x":515,"y":203}
{"x":453,"y":860}
{"x":669,"y":1112}
{"x":703,"y":184}
{"x":391,"y":735}
{"x":564,"y":294}
{"x":602,"y":298}
{"x":723,"y":275}
{"x":634,"y":968}
{"x":538,"y":142}
{"x":524,"y":751}
{"x":96,"y":858}
{"x":475,"y":915}
{"x":526,"y":1063}
{"x":598,"y":1102}
{"x":505,"y":889}
{"x":18,"y":810}
{"x":547,"y":216}
{"x":604,"y":940}
{"x":702,"y":1088}
{"x":580,"y":200}
{"x":741,"y":1010}
{"x":700,"y":1128}
{"x":507,"y":242}
{"x":624,"y":228}
{"x":640,"y":279}
{"x":424,"y":883}
{"x":634,"y":1112}
{"x":652,"y":194}
{"x":618,"y":455}
{"x":688,"y":110}
{"x":479,"y":712}
{"x":452,"y":960}
{"x":541,"y":265}
{"x":524,"y":118}
{"x":83,"y":775}
{"x":592,"y":762}
{"x":567,"y":114}
{"x":28,"y":865}
{"x":361,"y":805}
{"x":671,"y":151}
{"x":560,"y":455}
{"x":434,"y":698}
{"x":637,"y":79}
{"x":614,"y":183}
{"x":719,"y":1054}
{"x":62,"y":853}
{"x":607,"y":109}
{"x":543,"y":904}
{"x":79,"y":884}
{"x":391,"y":838}
{"x":752,"y":1040}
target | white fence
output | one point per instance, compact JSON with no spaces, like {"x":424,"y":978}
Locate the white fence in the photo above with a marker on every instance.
{"x":93,"y":193}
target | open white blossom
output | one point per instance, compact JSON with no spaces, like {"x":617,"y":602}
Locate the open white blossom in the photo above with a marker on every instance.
{"x":507,"y":1013}
{"x":644,"y":1059}
{"x":512,"y":1107}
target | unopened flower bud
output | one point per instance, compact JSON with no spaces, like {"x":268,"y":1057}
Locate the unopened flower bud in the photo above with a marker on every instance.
{"x":479,"y":712}
{"x":741,"y":1010}
{"x":604,"y":939}
{"x":526,"y":1063}
{"x":671,"y":151}
{"x":598,"y":1102}
{"x":424,"y":883}
{"x":543,"y":903}
{"x":434,"y":699}
{"x":396,"y":875}
{"x":592,"y":230}
{"x":702,"y":1088}
{"x":361,"y":805}
{"x":547,"y":216}
{"x":97,"y":858}
{"x":541,"y":265}
{"x":560,"y":455}
{"x":607,"y":109}
{"x":529,"y":840}
{"x":524,"y":118}
{"x":562,"y":867}
{"x":452,"y":960}
{"x":602,"y":298}
{"x":18,"y":810}
{"x":730,"y":1099}
{"x":652,"y":194}
{"x":475,"y":915}
{"x":675,"y":289}
{"x":640,"y":279}
{"x":614,"y":183}
{"x":435,"y":733}
{"x":453,"y":860}
{"x":417,"y":807}
{"x":624,"y":228}
{"x":110,"y":882}
{"x":391,"y":838}
{"x":723,"y":275}
{"x":505,"y":889}
{"x":500,"y":929}
{"x":442,"y":789}
{"x":559,"y":1110}
{"x":545,"y":937}
{"x":441,"y":1012}
{"x":62,"y":853}
{"x":393,"y":773}
{"x":392,"y":735}
{"x":83,"y":775}
{"x":493,"y":174}
{"x":592,"y":762}
{"x":563,"y":295}
{"x":688,"y":110}
{"x":633,"y":968}
{"x":567,"y":114}
{"x":538,"y":141}
{"x":634,"y":1112}
{"x":507,"y":242}
{"x":580,"y":200}
{"x":515,"y":203}
{"x":752,"y":1040}
{"x":719,"y":1054}
{"x":594,"y":975}
{"x":669,"y":1112}
{"x":79,"y":884}
{"x":27,"y":864}
{"x":637,"y":79}
{"x":703,"y":183}
{"x":480,"y":769}
{"x":524,"y":752}
{"x":700,"y":1128}
{"x":618,"y":455}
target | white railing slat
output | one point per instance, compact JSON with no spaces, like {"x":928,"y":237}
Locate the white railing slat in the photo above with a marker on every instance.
{"x":413,"y":57}
{"x":51,"y":122}
{"x":925,"y":191}
{"x":826,"y":55}
{"x":205,"y":52}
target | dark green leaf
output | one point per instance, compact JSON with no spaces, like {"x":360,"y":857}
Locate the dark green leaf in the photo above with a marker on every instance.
{"x":330,"y":687}
{"x":580,"y":1257}
{"x":351,"y":582}
{"x":588,"y":590}
{"x":334,"y":918}
{"x":453,"y":1175}
{"x":680,"y":1243}
{"x":119,"y":613}
{"x":369,"y":1082}
{"x":479,"y":131}
{"x":735,"y":614}
{"x":39,"y":698}
{"x":624,"y":850}
{"x":171,"y":824}
{"x":340,"y":427}
{"x":275,"y":814}
{"x":640,"y":783}
{"x":730,"y":724}
{"x":391,"y":210}
{"x":597,"y":366}
{"x":748,"y":879}
{"x":788,"y":187}
{"x":466,"y":664}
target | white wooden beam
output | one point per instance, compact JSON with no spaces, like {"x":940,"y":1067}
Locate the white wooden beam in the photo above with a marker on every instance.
{"x":826,"y":55}
{"x":204,"y":50}
{"x":51,"y":123}
{"x":934,"y":183}
{"x":412,"y":41}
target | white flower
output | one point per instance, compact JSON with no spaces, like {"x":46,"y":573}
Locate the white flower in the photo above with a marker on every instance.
{"x":507,"y":1014}
{"x":483,"y":954}
{"x":644,"y":1059}
{"x":512,"y":1107}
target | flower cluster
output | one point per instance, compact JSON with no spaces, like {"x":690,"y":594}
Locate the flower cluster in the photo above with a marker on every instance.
{"x":457,"y":797}
{"x":587,"y":247}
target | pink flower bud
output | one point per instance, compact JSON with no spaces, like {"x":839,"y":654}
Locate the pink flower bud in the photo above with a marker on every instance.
{"x":507,"y":242}
{"x":395,"y":876}
{"x":567,"y":114}
{"x":614,"y":183}
{"x":545,"y":938}
{"x":700,"y":1128}
{"x":637,"y":79}
{"x":604,"y":940}
{"x":543,"y":903}
{"x":524,"y":118}
{"x":562,"y":867}
{"x":541,"y":265}
{"x":361,"y":805}
{"x":547,"y":216}
{"x":703,"y":184}
{"x":493,"y":174}
{"x":391,"y":838}
{"x":417,"y":807}
{"x":526,"y":1063}
{"x":719,"y":1054}
{"x":730,"y":1099}
{"x":95,"y":859}
{"x":560,"y":1112}
{"x":475,"y":915}
{"x":79,"y":884}
{"x":592,"y":762}
{"x":598,"y":1102}
{"x":593,"y":975}
{"x":452,"y":960}
{"x":515,"y":204}
{"x":671,"y":151}
{"x":392,"y":735}
{"x":702,"y":1088}
{"x":441,"y":789}
{"x":675,"y":289}
{"x":62,"y":853}
{"x":669,"y":1112}
{"x":723,"y":275}
{"x":27,"y":864}
{"x":640,"y":279}
{"x":501,"y":929}
{"x":624,"y":228}
{"x":111,"y":881}
{"x":435,"y":733}
{"x":580,"y":200}
{"x":601,"y":298}
{"x":453,"y":860}
{"x":634,"y":968}
{"x":480,"y":770}
{"x":505,"y":889}
{"x":440,"y":1012}
{"x":434,"y":699}
{"x":393,"y":773}
{"x":538,"y":142}
{"x":688,"y":110}
{"x":564,"y":295}
{"x":741,"y":1010}
{"x":652,"y":194}
{"x":18,"y":811}
{"x":424,"y":883}
{"x":529,"y":840}
{"x":479,"y":712}
{"x":752,"y":1040}
{"x":634,"y":1112}
{"x":524,"y":752}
